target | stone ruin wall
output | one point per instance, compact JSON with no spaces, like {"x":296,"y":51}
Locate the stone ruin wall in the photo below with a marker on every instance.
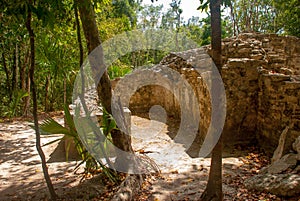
{"x":278,"y":107}
{"x":261,"y":77}
{"x":261,"y":74}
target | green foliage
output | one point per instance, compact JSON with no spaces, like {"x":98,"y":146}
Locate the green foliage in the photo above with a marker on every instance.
{"x":288,"y":16}
{"x":126,"y":8}
{"x":266,"y":16}
{"x":118,"y":69}
{"x":204,"y":4}
{"x":56,"y":63}
{"x":14,"y":106}
{"x":52,"y":127}
{"x":257,"y":15}
{"x":57,"y":53}
{"x":107,"y":124}
{"x":150,"y":16}
{"x":206,"y":30}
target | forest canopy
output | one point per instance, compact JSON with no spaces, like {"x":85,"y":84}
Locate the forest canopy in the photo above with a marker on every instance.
{"x":58,"y":35}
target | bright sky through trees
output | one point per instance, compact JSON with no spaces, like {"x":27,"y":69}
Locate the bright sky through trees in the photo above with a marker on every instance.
{"x":189,"y":7}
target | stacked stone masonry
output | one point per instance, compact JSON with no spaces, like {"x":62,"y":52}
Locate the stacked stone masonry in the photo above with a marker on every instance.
{"x":261,"y":75}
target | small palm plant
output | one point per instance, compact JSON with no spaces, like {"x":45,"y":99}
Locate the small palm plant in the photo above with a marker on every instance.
{"x":50,"y":127}
{"x":15,"y":103}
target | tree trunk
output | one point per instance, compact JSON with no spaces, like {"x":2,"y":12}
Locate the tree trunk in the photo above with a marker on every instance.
{"x":65,"y":90}
{"x":23,"y":70}
{"x":25,"y":83}
{"x":91,"y":33}
{"x":27,"y":98}
{"x":47,"y":93}
{"x":104,"y":90}
{"x":213,"y":191}
{"x":14,"y":82}
{"x":6,"y":73}
{"x":78,"y":35}
{"x":34,"y":98}
{"x":232,"y":13}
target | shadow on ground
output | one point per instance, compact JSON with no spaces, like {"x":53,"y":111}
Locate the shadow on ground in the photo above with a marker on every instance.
{"x":237,"y":149}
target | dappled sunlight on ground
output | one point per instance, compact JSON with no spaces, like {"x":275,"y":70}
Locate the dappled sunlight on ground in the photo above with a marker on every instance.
{"x":21,"y":172}
{"x":181,"y":178}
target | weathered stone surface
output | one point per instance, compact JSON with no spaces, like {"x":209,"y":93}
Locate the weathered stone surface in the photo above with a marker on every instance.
{"x":282,"y":177}
{"x":278,"y":184}
{"x":278,"y":100}
{"x":296,"y":145}
{"x":260,"y":73}
{"x":288,"y":161}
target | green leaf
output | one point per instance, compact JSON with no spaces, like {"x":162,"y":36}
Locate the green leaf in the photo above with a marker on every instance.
{"x":50,"y":126}
{"x":203,"y":5}
{"x":69,"y":119}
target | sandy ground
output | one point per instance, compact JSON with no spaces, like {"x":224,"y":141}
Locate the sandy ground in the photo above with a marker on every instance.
{"x":182,"y":178}
{"x":21,"y":175}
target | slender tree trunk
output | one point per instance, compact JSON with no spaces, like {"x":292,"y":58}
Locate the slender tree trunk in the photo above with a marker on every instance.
{"x":25,"y":83}
{"x":47,"y":93}
{"x":23,"y":70}
{"x":27,"y":98}
{"x":65,"y":90}
{"x":6,"y":73}
{"x":15,"y":70}
{"x":104,"y":90}
{"x":17,"y":66}
{"x":251,"y":17}
{"x":213,"y":191}
{"x":79,"y":40}
{"x":34,"y":98}
{"x":233,"y":20}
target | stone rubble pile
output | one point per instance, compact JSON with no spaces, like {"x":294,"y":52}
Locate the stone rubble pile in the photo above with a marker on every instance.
{"x":282,"y":177}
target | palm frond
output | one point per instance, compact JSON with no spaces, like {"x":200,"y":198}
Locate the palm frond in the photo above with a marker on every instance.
{"x":50,"y":126}
{"x":69,"y":119}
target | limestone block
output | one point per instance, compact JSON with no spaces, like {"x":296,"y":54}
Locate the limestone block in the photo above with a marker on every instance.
{"x":265,"y":45}
{"x":285,"y":71}
{"x":245,"y":52}
{"x":278,"y":77}
{"x":257,"y":56}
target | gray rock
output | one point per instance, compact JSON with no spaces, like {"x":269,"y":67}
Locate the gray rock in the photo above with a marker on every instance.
{"x":296,"y":145}
{"x":297,"y":170}
{"x":278,"y":184}
{"x":288,"y":161}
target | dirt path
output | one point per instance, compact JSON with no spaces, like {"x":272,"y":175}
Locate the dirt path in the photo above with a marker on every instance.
{"x":21,"y":173}
{"x":182,"y":178}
